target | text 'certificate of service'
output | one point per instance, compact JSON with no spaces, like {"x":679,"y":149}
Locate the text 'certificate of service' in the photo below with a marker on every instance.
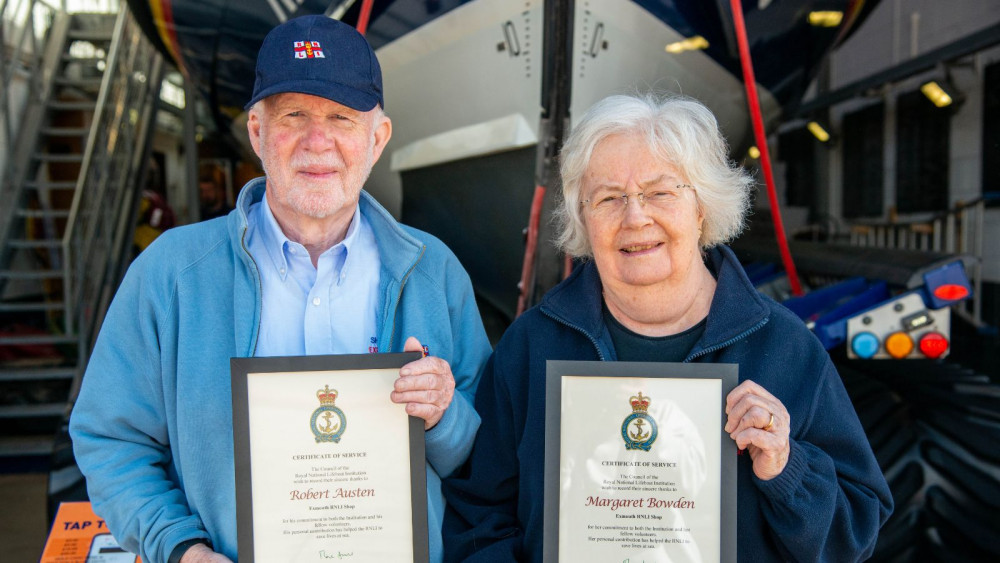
{"x":638,"y":466}
{"x":327,"y":467}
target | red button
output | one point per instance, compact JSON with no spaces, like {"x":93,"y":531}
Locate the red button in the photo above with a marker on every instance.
{"x":933,"y":344}
{"x":951,"y":292}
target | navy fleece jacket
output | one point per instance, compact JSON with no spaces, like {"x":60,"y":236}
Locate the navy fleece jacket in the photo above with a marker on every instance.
{"x":827,"y":504}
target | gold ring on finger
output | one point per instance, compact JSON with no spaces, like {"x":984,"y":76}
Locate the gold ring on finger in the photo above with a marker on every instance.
{"x":770,"y":423}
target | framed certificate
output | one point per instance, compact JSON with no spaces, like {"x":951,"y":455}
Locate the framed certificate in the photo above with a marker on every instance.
{"x":327,"y":467}
{"x":637,"y":464}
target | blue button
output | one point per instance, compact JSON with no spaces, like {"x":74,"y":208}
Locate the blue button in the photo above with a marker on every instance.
{"x":865,"y":345}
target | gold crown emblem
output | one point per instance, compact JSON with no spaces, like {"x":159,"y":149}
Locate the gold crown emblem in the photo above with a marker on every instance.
{"x":327,"y":396}
{"x":639,"y":403}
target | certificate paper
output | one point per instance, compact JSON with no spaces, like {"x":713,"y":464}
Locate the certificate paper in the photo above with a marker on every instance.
{"x":638,"y":467}
{"x":327,"y":467}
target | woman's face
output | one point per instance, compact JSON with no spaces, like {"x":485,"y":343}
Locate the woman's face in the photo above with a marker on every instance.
{"x":639,"y":244}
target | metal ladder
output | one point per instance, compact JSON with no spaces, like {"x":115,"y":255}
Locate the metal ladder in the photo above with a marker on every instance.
{"x":68,"y":200}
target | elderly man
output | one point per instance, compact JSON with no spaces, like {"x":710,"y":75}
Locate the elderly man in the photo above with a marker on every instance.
{"x":306,"y":264}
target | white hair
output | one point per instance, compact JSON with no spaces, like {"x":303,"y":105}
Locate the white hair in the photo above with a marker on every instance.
{"x":677,"y":129}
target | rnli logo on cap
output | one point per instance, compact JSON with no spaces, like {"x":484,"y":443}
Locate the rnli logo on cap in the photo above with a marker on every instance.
{"x":308,"y":50}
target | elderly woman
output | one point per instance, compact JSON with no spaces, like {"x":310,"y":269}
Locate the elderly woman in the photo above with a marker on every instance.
{"x":649,"y":199}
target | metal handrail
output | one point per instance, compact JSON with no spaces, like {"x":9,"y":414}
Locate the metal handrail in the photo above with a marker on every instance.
{"x":70,"y":288}
{"x":108,"y":174}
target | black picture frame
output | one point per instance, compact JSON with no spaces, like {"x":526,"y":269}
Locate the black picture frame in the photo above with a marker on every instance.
{"x":727,"y":374}
{"x":286,"y":366}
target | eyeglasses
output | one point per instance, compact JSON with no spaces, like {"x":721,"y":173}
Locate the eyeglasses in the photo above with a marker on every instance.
{"x":610,"y":204}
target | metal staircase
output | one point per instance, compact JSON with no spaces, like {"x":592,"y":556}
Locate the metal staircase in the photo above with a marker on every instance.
{"x":67,"y":207}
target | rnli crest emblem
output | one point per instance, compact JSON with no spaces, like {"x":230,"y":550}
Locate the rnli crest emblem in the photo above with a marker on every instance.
{"x":638,"y":428}
{"x":328,"y":422}
{"x":307,"y":50}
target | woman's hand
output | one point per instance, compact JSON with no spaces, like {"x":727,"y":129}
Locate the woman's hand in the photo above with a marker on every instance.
{"x":759,"y":423}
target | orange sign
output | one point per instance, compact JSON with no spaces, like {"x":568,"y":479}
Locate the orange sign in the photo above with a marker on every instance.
{"x":80,"y":536}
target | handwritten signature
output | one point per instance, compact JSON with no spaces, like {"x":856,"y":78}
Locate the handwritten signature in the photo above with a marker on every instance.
{"x":339,"y":555}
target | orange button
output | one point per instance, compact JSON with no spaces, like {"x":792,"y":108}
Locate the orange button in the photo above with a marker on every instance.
{"x":899,"y":345}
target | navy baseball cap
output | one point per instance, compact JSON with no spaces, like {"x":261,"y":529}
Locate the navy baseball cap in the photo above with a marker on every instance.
{"x":320,"y":56}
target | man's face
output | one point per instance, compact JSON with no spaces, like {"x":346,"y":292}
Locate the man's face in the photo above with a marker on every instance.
{"x":316,"y":153}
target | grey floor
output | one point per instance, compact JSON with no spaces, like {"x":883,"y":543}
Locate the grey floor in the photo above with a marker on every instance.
{"x":23,"y":526}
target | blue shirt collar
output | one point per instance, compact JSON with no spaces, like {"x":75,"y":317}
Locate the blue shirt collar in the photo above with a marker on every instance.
{"x":277,"y":244}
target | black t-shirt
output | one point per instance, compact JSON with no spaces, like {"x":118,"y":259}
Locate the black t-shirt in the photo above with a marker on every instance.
{"x":634,"y":347}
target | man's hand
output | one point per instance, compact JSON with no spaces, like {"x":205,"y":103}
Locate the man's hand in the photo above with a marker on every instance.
{"x":426,"y":386}
{"x":201,"y":553}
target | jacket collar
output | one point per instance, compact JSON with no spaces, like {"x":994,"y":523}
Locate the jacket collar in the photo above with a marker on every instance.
{"x":252,"y":192}
{"x":737,"y":308}
{"x":399,"y":251}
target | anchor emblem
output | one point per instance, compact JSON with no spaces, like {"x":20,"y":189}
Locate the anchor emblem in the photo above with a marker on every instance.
{"x":640,"y":437}
{"x":329,"y":427}
{"x":331,"y":430}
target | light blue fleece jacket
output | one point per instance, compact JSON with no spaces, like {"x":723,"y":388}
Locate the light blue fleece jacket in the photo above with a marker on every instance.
{"x":152,"y":427}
